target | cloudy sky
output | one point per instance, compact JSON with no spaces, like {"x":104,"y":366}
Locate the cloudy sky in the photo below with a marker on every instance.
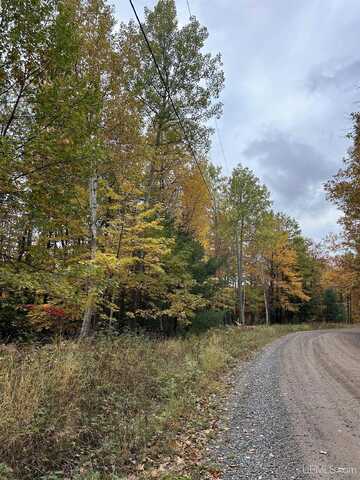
{"x":292,"y":79}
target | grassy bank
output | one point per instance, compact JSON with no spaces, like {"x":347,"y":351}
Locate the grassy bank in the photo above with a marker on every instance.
{"x":123,"y":408}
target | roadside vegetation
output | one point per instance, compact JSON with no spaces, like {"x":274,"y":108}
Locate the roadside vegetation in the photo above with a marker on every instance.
{"x":117,"y":408}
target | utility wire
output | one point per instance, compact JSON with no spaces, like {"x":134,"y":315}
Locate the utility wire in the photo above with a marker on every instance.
{"x":181,"y":123}
{"x":222,"y":149}
{"x":188,"y":6}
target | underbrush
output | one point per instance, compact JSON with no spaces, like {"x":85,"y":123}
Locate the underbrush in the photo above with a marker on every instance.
{"x":114,"y":408}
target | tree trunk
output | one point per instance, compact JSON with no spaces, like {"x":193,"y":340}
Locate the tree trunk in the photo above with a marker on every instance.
{"x":152,"y":168}
{"x":350,"y":308}
{"x":266,"y":304}
{"x":241,"y":258}
{"x":238,"y":292}
{"x":90,"y":307}
{"x":243,"y":303}
{"x":240,"y":267}
{"x":216,"y":230}
{"x":111,"y":316}
{"x":267,"y":320}
{"x":271,"y":290}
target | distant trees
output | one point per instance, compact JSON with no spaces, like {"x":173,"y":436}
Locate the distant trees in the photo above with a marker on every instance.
{"x":246,"y":203}
{"x":277,"y":265}
{"x":266,"y":258}
{"x":343,"y":190}
{"x":333,"y":308}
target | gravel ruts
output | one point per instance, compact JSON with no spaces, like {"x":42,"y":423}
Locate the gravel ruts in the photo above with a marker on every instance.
{"x":294,"y":412}
{"x":256,"y":441}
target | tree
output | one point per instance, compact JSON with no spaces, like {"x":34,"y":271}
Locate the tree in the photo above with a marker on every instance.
{"x":344,"y":191}
{"x":193,"y":216}
{"x":333,"y":309}
{"x":194,"y":81}
{"x":247,"y":201}
{"x":96,"y":25}
{"x":26,"y":41}
{"x":344,"y":188}
{"x":276,"y":262}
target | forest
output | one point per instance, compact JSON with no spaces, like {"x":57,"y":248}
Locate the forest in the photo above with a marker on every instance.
{"x":112,"y":216}
{"x":134,"y":274}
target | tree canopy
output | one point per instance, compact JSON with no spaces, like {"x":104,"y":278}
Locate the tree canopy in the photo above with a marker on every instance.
{"x":106,"y":221}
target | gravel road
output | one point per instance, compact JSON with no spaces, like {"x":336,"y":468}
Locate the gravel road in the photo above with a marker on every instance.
{"x":294,"y":412}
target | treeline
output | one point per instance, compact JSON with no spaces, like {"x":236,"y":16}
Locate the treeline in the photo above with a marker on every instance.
{"x":343,"y":266}
{"x":106,"y":220}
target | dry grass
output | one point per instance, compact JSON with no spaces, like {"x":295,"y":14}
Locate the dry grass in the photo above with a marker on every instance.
{"x":71,"y":409}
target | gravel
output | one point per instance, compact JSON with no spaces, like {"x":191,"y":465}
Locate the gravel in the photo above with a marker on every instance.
{"x":256,"y":440}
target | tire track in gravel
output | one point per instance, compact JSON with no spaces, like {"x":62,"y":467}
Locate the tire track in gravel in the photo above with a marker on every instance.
{"x":294,"y":412}
{"x":324,"y":406}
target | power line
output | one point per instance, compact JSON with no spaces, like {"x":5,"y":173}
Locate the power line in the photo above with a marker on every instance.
{"x":181,"y":123}
{"x":188,"y":6}
{"x":222,"y":149}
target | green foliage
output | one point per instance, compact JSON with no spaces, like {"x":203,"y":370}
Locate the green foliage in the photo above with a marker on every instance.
{"x":247,"y":200}
{"x":194,"y":78}
{"x":13,"y":323}
{"x":6,"y":473}
{"x":204,"y":321}
{"x":333,"y":307}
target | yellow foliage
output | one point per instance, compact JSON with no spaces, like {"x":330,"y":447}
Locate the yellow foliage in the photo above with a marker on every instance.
{"x":194,"y":212}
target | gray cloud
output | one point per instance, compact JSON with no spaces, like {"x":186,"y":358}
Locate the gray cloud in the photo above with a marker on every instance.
{"x":293,"y":170}
{"x":295,"y":173}
{"x":335,"y":75}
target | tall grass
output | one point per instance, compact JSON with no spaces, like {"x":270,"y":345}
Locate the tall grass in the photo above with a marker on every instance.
{"x":109,"y":406}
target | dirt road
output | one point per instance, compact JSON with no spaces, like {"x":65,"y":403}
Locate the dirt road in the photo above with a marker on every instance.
{"x":295,"y":411}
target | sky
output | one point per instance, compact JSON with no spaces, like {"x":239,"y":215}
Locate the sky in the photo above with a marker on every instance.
{"x":292,"y":71}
